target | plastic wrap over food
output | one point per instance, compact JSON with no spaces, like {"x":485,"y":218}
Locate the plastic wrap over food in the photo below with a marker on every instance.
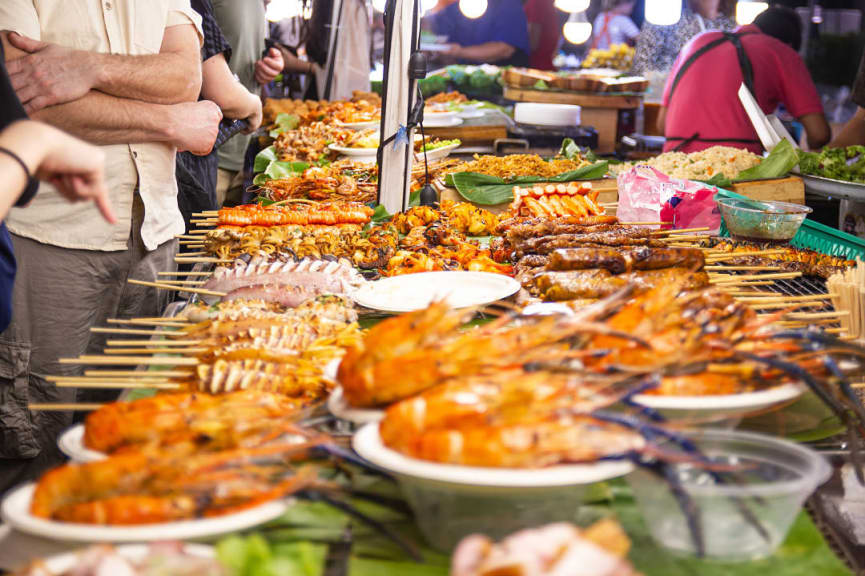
{"x":647,"y":195}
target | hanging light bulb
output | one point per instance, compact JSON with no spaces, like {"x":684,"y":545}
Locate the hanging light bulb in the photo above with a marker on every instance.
{"x":571,"y":6}
{"x":747,"y":11}
{"x":473,"y":8}
{"x":663,"y":12}
{"x":378,"y":5}
{"x":577,"y":29}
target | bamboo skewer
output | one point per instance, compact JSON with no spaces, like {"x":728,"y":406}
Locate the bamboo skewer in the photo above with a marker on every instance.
{"x":779,"y":305}
{"x":103,"y":330}
{"x":146,"y":322}
{"x":191,"y":273}
{"x":73,"y":379}
{"x":48,"y":407}
{"x":125,"y":373}
{"x":781,"y":298}
{"x":730,"y":255}
{"x":199,"y":253}
{"x":645,"y":223}
{"x":132,"y":360}
{"x":118,"y":385}
{"x":817,"y":315}
{"x":724,"y":278}
{"x":165,"y":286}
{"x":721,"y":268}
{"x":200,"y":260}
{"x":122,"y":351}
{"x":154,"y":343}
{"x":680,"y":231}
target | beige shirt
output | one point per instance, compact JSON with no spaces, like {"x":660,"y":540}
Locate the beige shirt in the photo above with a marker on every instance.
{"x":119,"y":27}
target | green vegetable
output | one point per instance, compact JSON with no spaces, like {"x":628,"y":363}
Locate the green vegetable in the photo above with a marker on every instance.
{"x":846,"y":164}
{"x":283,"y":123}
{"x":429,"y":146}
{"x":541,"y":85}
{"x":488,"y":190}
{"x":264,"y":158}
{"x":778,"y":163}
{"x":276,"y":170}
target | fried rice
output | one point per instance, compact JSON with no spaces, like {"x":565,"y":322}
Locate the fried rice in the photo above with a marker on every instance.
{"x":702,"y":165}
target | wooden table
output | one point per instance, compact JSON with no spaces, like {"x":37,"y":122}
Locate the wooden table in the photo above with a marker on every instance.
{"x":601,"y":111}
{"x":486,"y":129}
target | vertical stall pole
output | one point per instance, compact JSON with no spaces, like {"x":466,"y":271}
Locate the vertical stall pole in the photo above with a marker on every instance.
{"x":399,"y":91}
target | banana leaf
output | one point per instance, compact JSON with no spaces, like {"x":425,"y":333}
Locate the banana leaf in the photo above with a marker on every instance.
{"x":264,"y":158}
{"x":283,"y":123}
{"x":489,"y":190}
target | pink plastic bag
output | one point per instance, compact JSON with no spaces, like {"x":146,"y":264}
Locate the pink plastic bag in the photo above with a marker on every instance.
{"x":647,"y":195}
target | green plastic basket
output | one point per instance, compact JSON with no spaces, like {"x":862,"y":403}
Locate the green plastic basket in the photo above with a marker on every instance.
{"x":815,"y":236}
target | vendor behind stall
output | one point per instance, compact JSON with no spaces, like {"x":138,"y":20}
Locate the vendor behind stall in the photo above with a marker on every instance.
{"x":499,"y":36}
{"x":614,"y":25}
{"x":701,"y":106}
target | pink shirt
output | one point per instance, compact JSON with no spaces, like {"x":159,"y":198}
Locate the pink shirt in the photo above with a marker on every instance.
{"x":706,"y":100}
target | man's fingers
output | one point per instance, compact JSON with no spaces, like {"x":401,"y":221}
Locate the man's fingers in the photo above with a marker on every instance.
{"x":104,"y":204}
{"x":24,"y":43}
{"x":37,"y":104}
{"x":25,"y":92}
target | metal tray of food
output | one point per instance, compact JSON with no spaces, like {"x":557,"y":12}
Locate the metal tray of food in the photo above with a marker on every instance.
{"x":834,"y":188}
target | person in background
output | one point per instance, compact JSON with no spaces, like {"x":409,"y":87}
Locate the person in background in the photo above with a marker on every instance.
{"x":853,"y":131}
{"x":545,"y":31}
{"x":196,"y":175}
{"x":657,"y":46}
{"x":614,"y":25}
{"x":701,"y":107}
{"x":245,"y":27}
{"x":499,"y":36}
{"x":352,"y":63}
{"x":125,"y":75}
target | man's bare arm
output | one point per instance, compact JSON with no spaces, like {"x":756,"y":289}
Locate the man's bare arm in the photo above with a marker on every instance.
{"x":104,"y":119}
{"x":46,"y":74}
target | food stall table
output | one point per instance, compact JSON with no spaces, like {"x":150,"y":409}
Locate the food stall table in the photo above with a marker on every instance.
{"x":600,"y":111}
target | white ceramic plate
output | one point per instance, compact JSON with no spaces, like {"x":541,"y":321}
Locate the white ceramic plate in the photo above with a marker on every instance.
{"x":15,"y":510}
{"x":359,"y":125}
{"x":367,"y":442}
{"x":71,"y":443}
{"x":62,"y":563}
{"x":354,"y":152}
{"x":433,"y":121}
{"x":339,"y":407}
{"x":438,"y":153}
{"x":723,"y":403}
{"x":410,"y":292}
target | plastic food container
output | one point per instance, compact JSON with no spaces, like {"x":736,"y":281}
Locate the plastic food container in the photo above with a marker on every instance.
{"x":539,"y":114}
{"x":777,"y":222}
{"x":774,"y":479}
{"x":451,"y":502}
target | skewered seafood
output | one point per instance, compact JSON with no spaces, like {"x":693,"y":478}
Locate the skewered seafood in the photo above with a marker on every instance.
{"x":808,"y":262}
{"x":365,"y":249}
{"x":556,"y":200}
{"x":208,"y":421}
{"x":427,"y":345}
{"x":462,"y":217}
{"x":294,"y":377}
{"x":303,"y":214}
{"x":212,"y":319}
{"x":289,"y":283}
{"x":142,"y":488}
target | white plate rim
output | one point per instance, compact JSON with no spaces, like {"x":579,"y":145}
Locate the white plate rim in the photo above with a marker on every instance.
{"x":708,"y":402}
{"x":71,"y":443}
{"x":353,"y":151}
{"x":509,"y":288}
{"x":339,"y":407}
{"x":443,"y":122}
{"x":15,"y":510}
{"x":61,"y":563}
{"x":438,"y":153}
{"x":358,"y":125}
{"x":368,"y":444}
